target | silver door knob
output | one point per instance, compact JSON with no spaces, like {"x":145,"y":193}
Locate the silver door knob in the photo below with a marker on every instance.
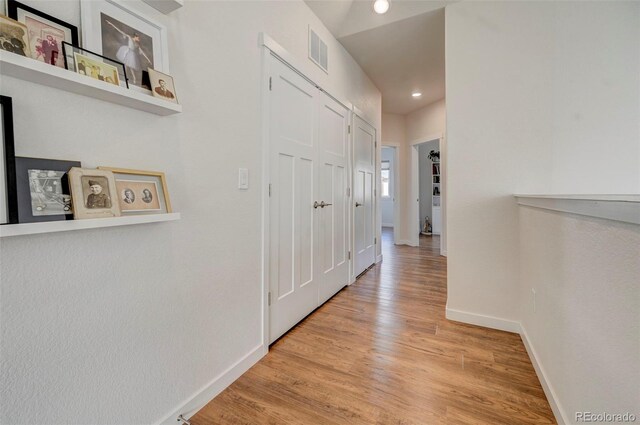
{"x":358,"y":204}
{"x":316,"y":204}
{"x":322,"y":204}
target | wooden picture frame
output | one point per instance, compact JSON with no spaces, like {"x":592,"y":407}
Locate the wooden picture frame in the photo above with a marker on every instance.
{"x":46,"y":32}
{"x":137,"y":181}
{"x":8,"y":190}
{"x":88,"y":201}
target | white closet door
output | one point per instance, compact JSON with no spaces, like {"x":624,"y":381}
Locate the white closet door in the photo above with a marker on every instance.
{"x":293,"y":139}
{"x":333,"y":235}
{"x":364,"y":141}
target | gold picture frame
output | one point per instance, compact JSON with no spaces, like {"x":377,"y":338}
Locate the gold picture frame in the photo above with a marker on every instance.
{"x":138,"y":193}
{"x":92,"y":193}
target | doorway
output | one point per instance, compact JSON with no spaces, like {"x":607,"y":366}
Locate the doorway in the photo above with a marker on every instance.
{"x":427,"y":189}
{"x":389,"y":191}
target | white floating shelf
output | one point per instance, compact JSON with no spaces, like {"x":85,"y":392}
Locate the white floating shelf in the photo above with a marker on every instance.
{"x":165,"y":6}
{"x":28,"y":69}
{"x":625,"y":208}
{"x":9,"y":230}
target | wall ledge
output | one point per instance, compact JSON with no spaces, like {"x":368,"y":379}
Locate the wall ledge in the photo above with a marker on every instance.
{"x":625,"y":208}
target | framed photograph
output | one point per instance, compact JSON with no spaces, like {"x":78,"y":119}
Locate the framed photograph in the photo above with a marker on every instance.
{"x":43,"y":189}
{"x":93,"y":193}
{"x":46,"y":33}
{"x":8,"y":194}
{"x":127,"y":35}
{"x":162,"y":86}
{"x":141,"y":192}
{"x":92,"y":65}
{"x":14,"y":37}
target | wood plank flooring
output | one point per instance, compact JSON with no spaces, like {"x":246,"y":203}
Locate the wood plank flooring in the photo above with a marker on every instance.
{"x":382,"y":352}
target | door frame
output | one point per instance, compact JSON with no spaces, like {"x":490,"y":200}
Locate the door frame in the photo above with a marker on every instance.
{"x":270,"y":47}
{"x":414,"y":206}
{"x":396,"y":189}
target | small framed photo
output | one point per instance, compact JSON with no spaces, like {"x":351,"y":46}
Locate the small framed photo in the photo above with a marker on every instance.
{"x":119,"y":32}
{"x":46,"y":33}
{"x":141,"y":192}
{"x":14,"y":37}
{"x":8,"y":194}
{"x":43,"y":189}
{"x":93,"y":193}
{"x":92,"y":65}
{"x":162,"y":86}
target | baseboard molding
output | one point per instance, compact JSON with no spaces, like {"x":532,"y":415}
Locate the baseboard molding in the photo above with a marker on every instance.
{"x":405,"y":242}
{"x":198,"y":400}
{"x":443,"y":252}
{"x":379,"y":259}
{"x":557,"y":409}
{"x":482,"y":320}
{"x":387,"y":225}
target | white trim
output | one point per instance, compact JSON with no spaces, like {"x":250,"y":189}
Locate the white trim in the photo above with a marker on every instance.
{"x":625,"y":208}
{"x":387,"y":225}
{"x":554,"y":402}
{"x":207,"y":393}
{"x":405,"y":242}
{"x":379,"y":259}
{"x":443,"y":252}
{"x":482,"y":320}
{"x":266,"y":181}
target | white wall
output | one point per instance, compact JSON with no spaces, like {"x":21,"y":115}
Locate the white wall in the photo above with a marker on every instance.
{"x":387,"y":203}
{"x":533,"y":91}
{"x":123,"y":325}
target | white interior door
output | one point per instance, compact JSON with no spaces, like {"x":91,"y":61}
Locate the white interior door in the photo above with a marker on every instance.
{"x":364,"y":141}
{"x":293,"y":283}
{"x":333,"y":229}
{"x":308,"y":205}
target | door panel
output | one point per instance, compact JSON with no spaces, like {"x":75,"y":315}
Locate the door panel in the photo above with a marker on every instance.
{"x":364,"y":195}
{"x":292,"y":276}
{"x":333,"y":222}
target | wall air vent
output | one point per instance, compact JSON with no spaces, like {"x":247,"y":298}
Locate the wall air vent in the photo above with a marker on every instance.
{"x":318,"y":51}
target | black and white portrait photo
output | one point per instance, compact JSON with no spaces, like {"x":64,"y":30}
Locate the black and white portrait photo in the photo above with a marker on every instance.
{"x":128,"y":196}
{"x":96,"y":191}
{"x":147,"y":197}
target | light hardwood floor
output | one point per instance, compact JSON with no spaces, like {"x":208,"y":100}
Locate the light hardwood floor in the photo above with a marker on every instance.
{"x":382,"y":352}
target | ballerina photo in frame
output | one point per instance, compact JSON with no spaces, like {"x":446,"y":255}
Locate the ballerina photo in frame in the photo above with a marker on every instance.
{"x":129,"y":36}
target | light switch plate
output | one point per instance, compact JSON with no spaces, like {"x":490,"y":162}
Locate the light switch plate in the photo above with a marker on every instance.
{"x":243,"y":178}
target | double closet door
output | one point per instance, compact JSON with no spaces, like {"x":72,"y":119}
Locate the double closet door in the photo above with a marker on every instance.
{"x":308,"y":204}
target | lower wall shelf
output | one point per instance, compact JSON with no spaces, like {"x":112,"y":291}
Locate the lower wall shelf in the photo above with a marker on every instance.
{"x":10,"y":230}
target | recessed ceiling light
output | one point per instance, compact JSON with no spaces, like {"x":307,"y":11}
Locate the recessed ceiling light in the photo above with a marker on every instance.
{"x":381,"y":6}
{"x":416,"y":94}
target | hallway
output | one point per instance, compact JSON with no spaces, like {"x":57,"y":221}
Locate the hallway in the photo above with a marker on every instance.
{"x":382,"y":352}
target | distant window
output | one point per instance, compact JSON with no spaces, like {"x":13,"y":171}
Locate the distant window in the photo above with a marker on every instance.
{"x":386,"y":179}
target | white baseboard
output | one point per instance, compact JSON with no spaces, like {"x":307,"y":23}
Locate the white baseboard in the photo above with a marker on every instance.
{"x":482,"y":320}
{"x":443,"y":252}
{"x":387,"y":225}
{"x":405,"y":242}
{"x":378,"y":258}
{"x":198,"y":400}
{"x":557,"y":409}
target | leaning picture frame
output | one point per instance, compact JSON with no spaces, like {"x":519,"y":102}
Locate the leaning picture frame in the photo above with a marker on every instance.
{"x":129,"y":35}
{"x":8,"y":193}
{"x":93,"y":193}
{"x":93,"y":65}
{"x":46,"y":32}
{"x":141,"y":192}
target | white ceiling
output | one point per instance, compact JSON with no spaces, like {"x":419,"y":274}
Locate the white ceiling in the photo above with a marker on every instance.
{"x":401,"y":51}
